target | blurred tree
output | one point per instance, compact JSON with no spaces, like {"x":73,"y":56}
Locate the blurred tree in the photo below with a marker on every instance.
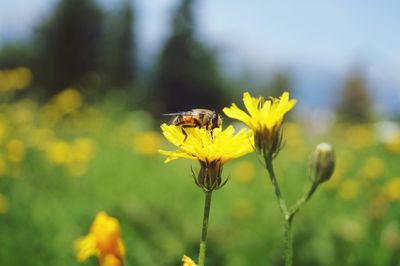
{"x":15,"y":55}
{"x":355,"y":103}
{"x":69,"y":44}
{"x":120,"y":47}
{"x":188,"y":74}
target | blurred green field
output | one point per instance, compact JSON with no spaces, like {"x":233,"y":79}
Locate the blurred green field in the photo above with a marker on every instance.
{"x":64,"y":160}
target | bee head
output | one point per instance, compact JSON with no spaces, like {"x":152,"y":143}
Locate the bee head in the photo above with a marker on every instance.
{"x":216,"y":120}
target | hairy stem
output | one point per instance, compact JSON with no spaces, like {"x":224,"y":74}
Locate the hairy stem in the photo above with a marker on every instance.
{"x":296,"y":207}
{"x":288,"y":243}
{"x":203,"y":240}
{"x":288,"y":253}
{"x":275,"y":185}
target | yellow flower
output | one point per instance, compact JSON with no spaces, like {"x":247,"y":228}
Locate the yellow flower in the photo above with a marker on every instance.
{"x":349,"y":189}
{"x":103,"y":241}
{"x":242,"y":209}
{"x":373,"y":167}
{"x":59,"y":152}
{"x":15,"y":150}
{"x":15,"y":79}
{"x":187,"y":261}
{"x":392,"y":188}
{"x":212,"y":150}
{"x":264,"y":117}
{"x":110,"y":260}
{"x":244,"y":172}
{"x":147,"y":143}
{"x":68,"y":100}
{"x":83,"y":150}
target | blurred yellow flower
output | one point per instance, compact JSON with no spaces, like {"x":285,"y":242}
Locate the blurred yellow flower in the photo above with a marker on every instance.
{"x":49,"y":115}
{"x":83,"y":150}
{"x":68,"y":100}
{"x":147,"y":143}
{"x":349,"y":189}
{"x":392,"y":188}
{"x":187,"y":261}
{"x":111,"y":260}
{"x":3,"y":128}
{"x":378,"y":204}
{"x":295,"y":144}
{"x":3,"y":204}
{"x":103,"y":241}
{"x":15,"y":79}
{"x":349,"y":229}
{"x":244,"y":172}
{"x":15,"y":150}
{"x":22,"y":112}
{"x":242,"y":209}
{"x":373,"y":167}
{"x":264,"y":117}
{"x":360,"y":136}
{"x":41,"y":138}
{"x":75,"y":155}
{"x":59,"y":152}
{"x":335,"y":179}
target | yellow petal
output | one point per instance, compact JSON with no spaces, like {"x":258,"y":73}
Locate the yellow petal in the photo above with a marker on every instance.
{"x":173,"y":155}
{"x":235,"y":113}
{"x":86,"y":247}
{"x":187,"y":261}
{"x":251,"y":104}
{"x":173,"y":134}
{"x":202,"y":145}
{"x":110,"y":260}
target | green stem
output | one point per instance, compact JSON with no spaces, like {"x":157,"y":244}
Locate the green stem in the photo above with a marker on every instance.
{"x":288,"y":253}
{"x":288,"y":243}
{"x":288,"y":214}
{"x":203,"y":240}
{"x":296,"y":207}
{"x":278,"y":194}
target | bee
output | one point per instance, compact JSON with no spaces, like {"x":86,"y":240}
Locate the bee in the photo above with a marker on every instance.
{"x":201,"y":118}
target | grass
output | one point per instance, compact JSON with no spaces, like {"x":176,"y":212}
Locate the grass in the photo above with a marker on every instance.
{"x":160,"y":209}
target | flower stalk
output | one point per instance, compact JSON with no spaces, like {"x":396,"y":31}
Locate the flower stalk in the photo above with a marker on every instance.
{"x":265,"y":118}
{"x":203,"y":239}
{"x":289,"y":213}
{"x":212,"y":150}
{"x":288,"y":243}
{"x":287,"y":216}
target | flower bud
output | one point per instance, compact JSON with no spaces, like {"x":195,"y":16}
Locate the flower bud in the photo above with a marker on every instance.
{"x":209,"y":176}
{"x":321,"y":163}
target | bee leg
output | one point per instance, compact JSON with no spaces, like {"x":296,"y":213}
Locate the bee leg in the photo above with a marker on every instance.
{"x":184,"y":133}
{"x":211,"y":134}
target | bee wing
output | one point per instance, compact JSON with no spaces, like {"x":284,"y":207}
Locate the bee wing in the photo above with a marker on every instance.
{"x":202,"y":111}
{"x":174,"y":114}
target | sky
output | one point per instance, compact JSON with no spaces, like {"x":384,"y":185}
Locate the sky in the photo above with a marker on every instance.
{"x":318,"y":41}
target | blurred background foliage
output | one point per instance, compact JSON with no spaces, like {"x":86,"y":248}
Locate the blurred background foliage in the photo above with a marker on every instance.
{"x":79,"y":117}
